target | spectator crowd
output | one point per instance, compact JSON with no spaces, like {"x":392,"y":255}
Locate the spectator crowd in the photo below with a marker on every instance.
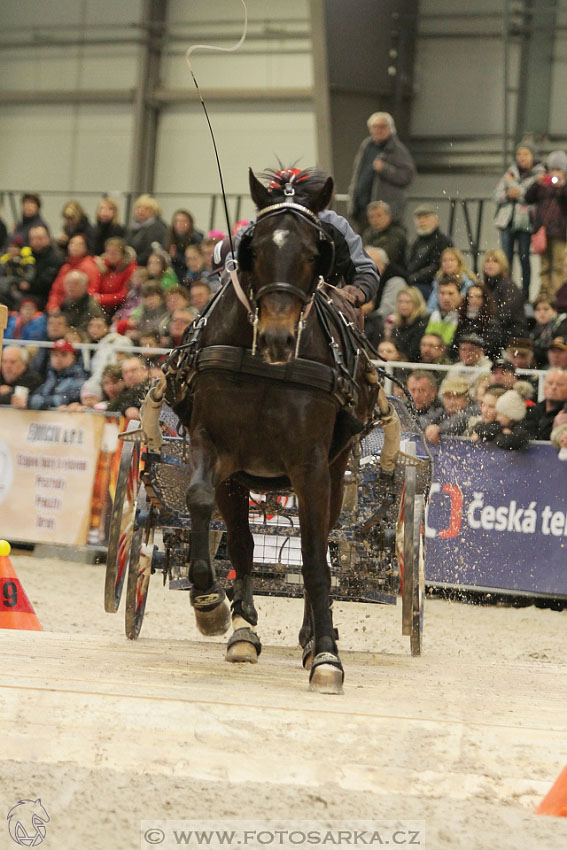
{"x":465,"y":335}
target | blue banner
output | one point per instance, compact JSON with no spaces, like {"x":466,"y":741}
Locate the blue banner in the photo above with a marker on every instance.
{"x":498,"y":519}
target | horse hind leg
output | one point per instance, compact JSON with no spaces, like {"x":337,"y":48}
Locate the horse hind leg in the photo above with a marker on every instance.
{"x":244,"y":644}
{"x":207,"y":596}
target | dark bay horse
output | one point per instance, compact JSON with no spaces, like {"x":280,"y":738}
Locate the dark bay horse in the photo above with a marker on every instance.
{"x":259,"y":391}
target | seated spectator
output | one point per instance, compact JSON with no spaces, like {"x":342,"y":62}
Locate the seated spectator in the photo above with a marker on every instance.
{"x":452,"y":420}
{"x":91,"y":397}
{"x":507,"y":298}
{"x":433,"y":350}
{"x":557,"y":353}
{"x":548,"y":194}
{"x":425,"y":251}
{"x":422,"y":387}
{"x":147,"y":228}
{"x":112,"y":385}
{"x":471,"y":357}
{"x":15,"y":372}
{"x":27,"y":323}
{"x":507,"y":431}
{"x":559,"y":441}
{"x":520,"y":352}
{"x":159,"y":268}
{"x":410,"y":320}
{"x":452,"y":266}
{"x":487,"y":414}
{"x":78,"y":259}
{"x":149,"y":341}
{"x":211,"y":273}
{"x":199,"y":295}
{"x":391,"y":282}
{"x":78,"y":306}
{"x":383,"y":232}
{"x":476,"y":316}
{"x":389,"y":352}
{"x":17,"y":265}
{"x":107,"y":342}
{"x":48,"y":261}
{"x":133,"y":300}
{"x":136,"y":385}
{"x":503,"y":374}
{"x":65,"y":377}
{"x":150,"y":315}
{"x":176,"y":298}
{"x":182,"y":233}
{"x":179,"y":322}
{"x":107,"y":224}
{"x":194,"y":263}
{"x":57,"y":328}
{"x":75,"y":221}
{"x":117,"y":266}
{"x":31,"y":205}
{"x":548,"y":325}
{"x":445,"y":319}
{"x":539,"y":419}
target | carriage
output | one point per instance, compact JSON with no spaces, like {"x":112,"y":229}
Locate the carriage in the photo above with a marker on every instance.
{"x":376,"y":552}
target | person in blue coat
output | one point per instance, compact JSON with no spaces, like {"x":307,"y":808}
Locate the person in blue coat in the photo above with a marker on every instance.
{"x":65,"y":377}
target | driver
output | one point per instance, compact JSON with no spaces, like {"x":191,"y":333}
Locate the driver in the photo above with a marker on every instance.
{"x":353,"y":270}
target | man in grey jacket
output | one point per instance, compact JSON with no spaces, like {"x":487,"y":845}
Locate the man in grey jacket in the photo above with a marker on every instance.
{"x":383,"y":169}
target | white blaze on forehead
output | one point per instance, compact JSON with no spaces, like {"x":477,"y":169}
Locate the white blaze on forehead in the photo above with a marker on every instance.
{"x":280,"y":237}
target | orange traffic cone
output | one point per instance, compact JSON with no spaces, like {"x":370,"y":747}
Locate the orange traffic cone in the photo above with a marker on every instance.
{"x":16,"y":611}
{"x":555,"y":801}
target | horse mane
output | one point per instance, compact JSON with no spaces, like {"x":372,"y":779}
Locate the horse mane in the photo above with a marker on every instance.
{"x":307,"y":183}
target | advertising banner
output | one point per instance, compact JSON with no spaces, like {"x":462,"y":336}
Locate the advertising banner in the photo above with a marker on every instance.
{"x":47,"y":466}
{"x":498,"y":518}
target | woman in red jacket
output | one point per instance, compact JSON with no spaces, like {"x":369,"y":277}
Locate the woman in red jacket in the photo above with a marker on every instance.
{"x":78,"y":259}
{"x":116,"y":264}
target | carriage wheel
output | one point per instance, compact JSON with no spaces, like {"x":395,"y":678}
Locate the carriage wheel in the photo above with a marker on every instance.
{"x":121,"y":525}
{"x":139,"y":571}
{"x":411,"y":560}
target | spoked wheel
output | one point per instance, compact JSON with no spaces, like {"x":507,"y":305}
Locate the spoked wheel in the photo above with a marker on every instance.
{"x":121,"y":525}
{"x":139,"y":570}
{"x":410,"y":545}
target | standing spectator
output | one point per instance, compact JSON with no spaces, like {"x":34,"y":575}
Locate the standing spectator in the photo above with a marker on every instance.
{"x":182,"y":233}
{"x":27,"y":323}
{"x":452,"y":265}
{"x":383,"y":232}
{"x":75,"y":220}
{"x":31,"y":205}
{"x":476,"y":316}
{"x":513,"y":217}
{"x":78,"y":259}
{"x":148,"y":227}
{"x":426,"y":249}
{"x":507,"y":298}
{"x":117,"y":266}
{"x":548,"y":325}
{"x":48,"y":261}
{"x":78,"y":306}
{"x":557,"y":353}
{"x":452,"y":420}
{"x":65,"y":377}
{"x":383,"y":169}
{"x":391,"y":282}
{"x":16,"y":372}
{"x":107,"y":224}
{"x":445,"y":319}
{"x":410,"y":321}
{"x":422,"y":387}
{"x":549,"y":194}
{"x":539,"y":420}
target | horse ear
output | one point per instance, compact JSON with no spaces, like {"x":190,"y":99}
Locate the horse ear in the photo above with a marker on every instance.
{"x":259,"y":193}
{"x":323,"y":199}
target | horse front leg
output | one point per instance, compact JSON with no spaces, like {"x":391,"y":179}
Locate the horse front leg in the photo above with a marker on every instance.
{"x":312,"y":486}
{"x":207,"y":596}
{"x":244,"y":644}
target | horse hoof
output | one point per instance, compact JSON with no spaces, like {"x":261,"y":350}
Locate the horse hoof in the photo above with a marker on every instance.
{"x":242,"y":651}
{"x":214,"y":622}
{"x":326,"y":679}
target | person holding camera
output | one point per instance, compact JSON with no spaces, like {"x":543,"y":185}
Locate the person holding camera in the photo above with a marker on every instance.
{"x":549,"y":195}
{"x":512,"y":217}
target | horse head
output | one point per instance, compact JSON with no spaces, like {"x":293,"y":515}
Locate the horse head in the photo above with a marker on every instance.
{"x":285,"y":254}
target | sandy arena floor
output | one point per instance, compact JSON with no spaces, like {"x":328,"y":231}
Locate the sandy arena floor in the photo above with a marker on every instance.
{"x":466,"y":739}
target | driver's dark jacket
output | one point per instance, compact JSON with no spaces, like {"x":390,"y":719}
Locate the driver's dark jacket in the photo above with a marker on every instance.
{"x":352,"y":263}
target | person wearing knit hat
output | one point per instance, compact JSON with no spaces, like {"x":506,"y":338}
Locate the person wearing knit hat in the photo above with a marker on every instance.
{"x":452,"y":419}
{"x":548,"y":194}
{"x":508,"y":431}
{"x":513,"y":213}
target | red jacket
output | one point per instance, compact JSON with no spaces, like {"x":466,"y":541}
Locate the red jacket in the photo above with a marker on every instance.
{"x":87,"y":265}
{"x":113,"y":282}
